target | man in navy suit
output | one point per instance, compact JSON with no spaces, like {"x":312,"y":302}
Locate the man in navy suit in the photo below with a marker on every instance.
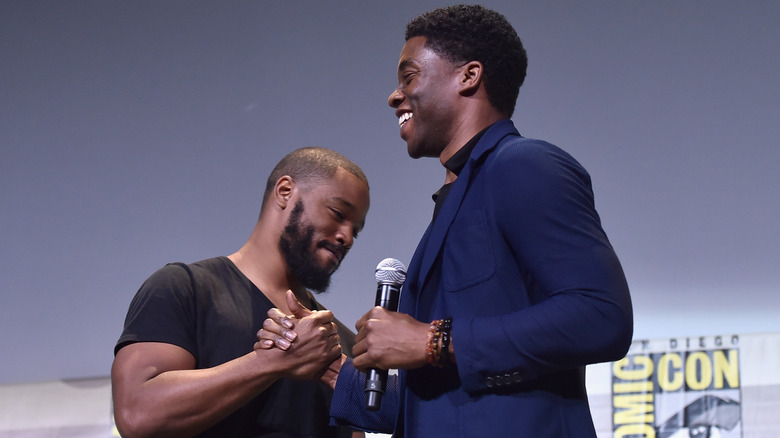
{"x":514,"y":288}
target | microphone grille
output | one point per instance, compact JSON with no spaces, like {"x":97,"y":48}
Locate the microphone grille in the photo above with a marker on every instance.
{"x":390,"y":271}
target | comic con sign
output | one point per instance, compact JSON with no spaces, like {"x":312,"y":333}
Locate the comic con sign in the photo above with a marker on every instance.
{"x":675,"y":388}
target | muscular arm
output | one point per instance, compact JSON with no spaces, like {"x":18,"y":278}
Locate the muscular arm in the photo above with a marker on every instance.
{"x":157,"y":391}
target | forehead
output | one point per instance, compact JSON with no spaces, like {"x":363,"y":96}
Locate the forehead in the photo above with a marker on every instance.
{"x":344,"y":189}
{"x":413,"y":46}
{"x":416,"y":54}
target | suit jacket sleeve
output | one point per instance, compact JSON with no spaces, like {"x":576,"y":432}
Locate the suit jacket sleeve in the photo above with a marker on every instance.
{"x":349,"y":399}
{"x":570,"y":304}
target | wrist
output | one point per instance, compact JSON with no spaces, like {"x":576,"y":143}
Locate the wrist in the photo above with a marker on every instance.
{"x":438,"y":347}
{"x":268,"y":364}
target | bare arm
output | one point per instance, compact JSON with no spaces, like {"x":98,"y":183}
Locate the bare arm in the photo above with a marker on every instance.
{"x":157,"y":391}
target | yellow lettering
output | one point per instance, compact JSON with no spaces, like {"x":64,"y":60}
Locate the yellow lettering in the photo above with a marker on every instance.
{"x":634,"y":430}
{"x":670,"y":376}
{"x":636,"y":408}
{"x":638,"y":386}
{"x":698,"y":380}
{"x":726,"y":368}
{"x":642,"y":368}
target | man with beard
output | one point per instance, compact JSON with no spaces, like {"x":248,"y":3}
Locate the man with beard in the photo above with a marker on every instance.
{"x":185,"y":363}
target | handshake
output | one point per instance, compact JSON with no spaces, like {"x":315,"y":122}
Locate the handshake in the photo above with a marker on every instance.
{"x":311,"y":344}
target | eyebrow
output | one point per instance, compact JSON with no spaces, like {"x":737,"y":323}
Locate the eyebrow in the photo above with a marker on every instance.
{"x":341,"y":200}
{"x":405,"y":63}
{"x":351,"y":206}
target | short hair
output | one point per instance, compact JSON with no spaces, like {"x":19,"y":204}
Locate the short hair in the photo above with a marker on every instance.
{"x":464,"y":33}
{"x":311,"y":164}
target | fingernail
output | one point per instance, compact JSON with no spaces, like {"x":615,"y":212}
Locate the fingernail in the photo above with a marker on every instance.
{"x":291,"y":335}
{"x":287,"y":323}
{"x":284,"y":343}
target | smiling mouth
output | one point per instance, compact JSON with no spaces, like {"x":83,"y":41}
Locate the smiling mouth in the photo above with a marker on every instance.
{"x":337,"y":251}
{"x":403,"y":118}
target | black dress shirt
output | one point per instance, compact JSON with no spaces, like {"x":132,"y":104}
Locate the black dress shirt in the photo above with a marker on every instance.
{"x":455,"y":164}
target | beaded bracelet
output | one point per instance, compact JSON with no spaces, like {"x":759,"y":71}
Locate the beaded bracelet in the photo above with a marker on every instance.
{"x":437,"y":347}
{"x":446,"y":335}
{"x":432,"y":347}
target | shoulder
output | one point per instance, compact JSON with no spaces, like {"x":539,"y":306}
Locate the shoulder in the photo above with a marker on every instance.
{"x":170,"y":274}
{"x":200,"y":270}
{"x":521,"y":173}
{"x":515,"y":148}
{"x":180,"y":278}
{"x":533,"y":160}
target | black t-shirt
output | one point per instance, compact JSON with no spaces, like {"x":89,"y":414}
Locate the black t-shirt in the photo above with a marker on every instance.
{"x":212,"y":310}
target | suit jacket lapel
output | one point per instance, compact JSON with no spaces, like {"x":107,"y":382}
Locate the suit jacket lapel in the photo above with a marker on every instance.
{"x":438,"y":231}
{"x":411,"y":289}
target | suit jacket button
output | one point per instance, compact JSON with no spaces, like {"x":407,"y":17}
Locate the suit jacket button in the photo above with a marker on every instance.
{"x":516,"y":377}
{"x":489,"y":382}
{"x":507,"y":379}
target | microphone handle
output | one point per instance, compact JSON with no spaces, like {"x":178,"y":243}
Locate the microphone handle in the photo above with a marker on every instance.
{"x":387,"y":295}
{"x":375,"y":388}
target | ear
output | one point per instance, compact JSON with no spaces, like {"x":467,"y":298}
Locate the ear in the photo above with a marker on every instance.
{"x":470,"y":77}
{"x":283,"y":191}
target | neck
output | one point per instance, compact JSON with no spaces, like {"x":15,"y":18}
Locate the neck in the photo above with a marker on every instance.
{"x":449,"y":177}
{"x":472,"y":124}
{"x":264,"y":266}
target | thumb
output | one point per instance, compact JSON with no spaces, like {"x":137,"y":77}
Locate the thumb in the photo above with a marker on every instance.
{"x":296,"y":308}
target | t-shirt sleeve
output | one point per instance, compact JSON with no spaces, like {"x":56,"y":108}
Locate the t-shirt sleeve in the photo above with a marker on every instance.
{"x":163,"y":310}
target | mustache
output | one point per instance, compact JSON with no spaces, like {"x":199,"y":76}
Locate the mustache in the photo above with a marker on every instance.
{"x":339,"y":250}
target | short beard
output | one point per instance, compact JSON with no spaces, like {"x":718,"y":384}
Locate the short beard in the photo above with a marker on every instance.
{"x":296,"y":245}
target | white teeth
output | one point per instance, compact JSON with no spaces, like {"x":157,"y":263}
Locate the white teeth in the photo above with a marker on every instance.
{"x":404,"y":117}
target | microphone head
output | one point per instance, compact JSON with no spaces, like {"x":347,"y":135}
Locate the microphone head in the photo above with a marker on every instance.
{"x":390,"y":271}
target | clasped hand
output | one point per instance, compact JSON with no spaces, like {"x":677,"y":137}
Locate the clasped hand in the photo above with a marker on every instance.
{"x":310,"y":339}
{"x":385,"y":339}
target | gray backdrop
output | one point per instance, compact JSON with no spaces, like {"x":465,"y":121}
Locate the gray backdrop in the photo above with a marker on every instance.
{"x":135,"y":133}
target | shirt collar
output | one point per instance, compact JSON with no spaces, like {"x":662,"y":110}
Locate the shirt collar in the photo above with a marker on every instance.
{"x":457,"y":162}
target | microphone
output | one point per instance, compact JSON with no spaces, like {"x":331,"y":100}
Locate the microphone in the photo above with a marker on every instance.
{"x":390,"y":275}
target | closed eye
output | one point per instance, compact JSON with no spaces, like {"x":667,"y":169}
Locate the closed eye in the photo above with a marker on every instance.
{"x":337,"y":214}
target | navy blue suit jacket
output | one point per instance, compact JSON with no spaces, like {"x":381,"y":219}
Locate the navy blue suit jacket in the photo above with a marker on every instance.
{"x":518,"y":258}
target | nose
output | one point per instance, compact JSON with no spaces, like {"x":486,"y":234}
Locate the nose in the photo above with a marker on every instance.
{"x":395,"y":98}
{"x":344,"y":236}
